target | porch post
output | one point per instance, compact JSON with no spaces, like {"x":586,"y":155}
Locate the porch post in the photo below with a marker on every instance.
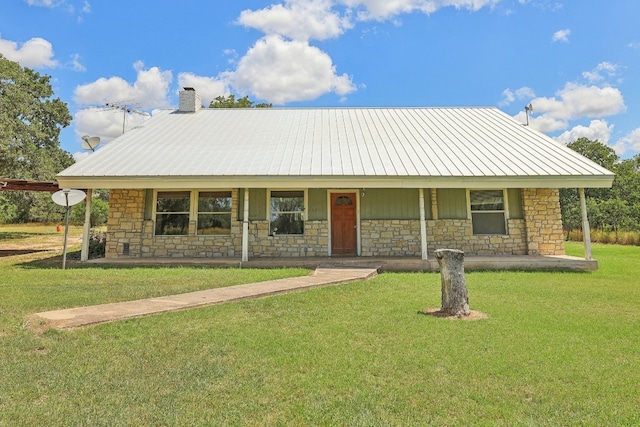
{"x":586,"y":231}
{"x":423,"y":226}
{"x":245,"y":227}
{"x":84,"y":252}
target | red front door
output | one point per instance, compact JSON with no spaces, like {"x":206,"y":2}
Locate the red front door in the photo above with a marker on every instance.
{"x":343,"y":224}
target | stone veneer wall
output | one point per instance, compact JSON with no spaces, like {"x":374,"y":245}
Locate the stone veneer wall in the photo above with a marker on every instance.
{"x":390,"y":237}
{"x":314,"y":241}
{"x":539,"y":233}
{"x":543,"y":218}
{"x":458,"y":234}
{"x":126,"y":224}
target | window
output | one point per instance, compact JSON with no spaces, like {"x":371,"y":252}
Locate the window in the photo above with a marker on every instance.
{"x":214,"y":213}
{"x":286,"y":212}
{"x":172,"y":213}
{"x":487,"y":211}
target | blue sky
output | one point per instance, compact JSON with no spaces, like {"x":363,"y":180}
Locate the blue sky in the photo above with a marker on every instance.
{"x":576,"y":63}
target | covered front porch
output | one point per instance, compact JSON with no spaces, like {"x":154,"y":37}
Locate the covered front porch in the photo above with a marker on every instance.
{"x":471,"y":263}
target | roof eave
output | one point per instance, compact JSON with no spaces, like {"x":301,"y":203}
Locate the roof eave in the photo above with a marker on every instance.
{"x":196,"y":182}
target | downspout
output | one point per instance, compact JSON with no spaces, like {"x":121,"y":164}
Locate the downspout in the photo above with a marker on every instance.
{"x":84,"y":252}
{"x":586,"y":231}
{"x":245,"y":227}
{"x":423,"y":226}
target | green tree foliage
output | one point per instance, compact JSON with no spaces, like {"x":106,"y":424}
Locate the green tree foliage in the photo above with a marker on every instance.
{"x":610,"y":209}
{"x":231,"y":102}
{"x":30,"y":124}
{"x":99,"y":212}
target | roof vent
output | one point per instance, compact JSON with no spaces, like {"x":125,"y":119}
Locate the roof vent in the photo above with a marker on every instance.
{"x":190,"y":101}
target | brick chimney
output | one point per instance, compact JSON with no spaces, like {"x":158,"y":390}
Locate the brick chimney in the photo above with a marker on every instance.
{"x":190,"y":101}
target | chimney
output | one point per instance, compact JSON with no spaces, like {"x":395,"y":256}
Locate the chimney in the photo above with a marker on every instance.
{"x":190,"y":101}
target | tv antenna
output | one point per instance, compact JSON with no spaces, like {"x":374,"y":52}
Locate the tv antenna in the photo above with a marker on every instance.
{"x":528,"y":109}
{"x":125,"y":109}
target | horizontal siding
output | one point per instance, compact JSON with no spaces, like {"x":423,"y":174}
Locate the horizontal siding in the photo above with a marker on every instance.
{"x":317,"y":204}
{"x":452,"y":203}
{"x":514,"y":195}
{"x":257,"y":204}
{"x":382,"y":203}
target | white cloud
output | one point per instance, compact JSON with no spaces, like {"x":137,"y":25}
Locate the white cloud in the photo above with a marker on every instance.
{"x":598,"y":73}
{"x":44,"y":3}
{"x":75,"y":63}
{"x":150,"y":90}
{"x":34,"y":53}
{"x":79,"y":155}
{"x":628,"y":143}
{"x":561,"y":36}
{"x":597,"y":130}
{"x":298,"y":20}
{"x":509,"y":96}
{"x":105,"y":123}
{"x":544,"y":123}
{"x":281,"y":71}
{"x":573,"y":102}
{"x":207,"y":87}
{"x":384,"y":9}
{"x":283,"y":67}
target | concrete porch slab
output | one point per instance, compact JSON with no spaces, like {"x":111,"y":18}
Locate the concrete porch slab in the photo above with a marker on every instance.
{"x":471,"y":263}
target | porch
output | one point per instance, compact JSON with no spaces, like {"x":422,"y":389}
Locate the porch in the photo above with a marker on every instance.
{"x":471,"y":263}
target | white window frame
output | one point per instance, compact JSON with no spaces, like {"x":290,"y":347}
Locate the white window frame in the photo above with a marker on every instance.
{"x":504,"y":211}
{"x":197,"y":211}
{"x":155,"y":209}
{"x":304,"y":213}
{"x":193,"y":210}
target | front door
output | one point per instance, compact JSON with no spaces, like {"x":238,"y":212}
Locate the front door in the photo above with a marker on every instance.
{"x":343,"y":224}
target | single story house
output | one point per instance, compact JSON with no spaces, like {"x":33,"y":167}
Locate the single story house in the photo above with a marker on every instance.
{"x":332,"y":182}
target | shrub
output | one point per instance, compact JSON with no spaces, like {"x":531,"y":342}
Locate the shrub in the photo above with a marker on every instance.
{"x":97,"y":244}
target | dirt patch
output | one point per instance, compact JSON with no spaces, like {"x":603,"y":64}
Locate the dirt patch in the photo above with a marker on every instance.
{"x":436,"y":312}
{"x":12,"y":252}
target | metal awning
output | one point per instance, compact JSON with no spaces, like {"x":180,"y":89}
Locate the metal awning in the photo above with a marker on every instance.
{"x":25,"y":185}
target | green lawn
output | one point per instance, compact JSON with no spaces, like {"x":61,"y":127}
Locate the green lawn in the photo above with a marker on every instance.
{"x":557,"y":349}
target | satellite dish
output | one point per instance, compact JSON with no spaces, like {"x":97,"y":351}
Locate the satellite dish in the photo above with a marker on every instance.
{"x":90,"y":142}
{"x":67,"y":197}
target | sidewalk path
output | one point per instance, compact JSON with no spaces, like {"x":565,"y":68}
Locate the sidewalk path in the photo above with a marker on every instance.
{"x":84,"y":316}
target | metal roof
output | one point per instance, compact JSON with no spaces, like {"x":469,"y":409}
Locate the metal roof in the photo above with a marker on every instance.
{"x":320,"y":147}
{"x":7,"y":184}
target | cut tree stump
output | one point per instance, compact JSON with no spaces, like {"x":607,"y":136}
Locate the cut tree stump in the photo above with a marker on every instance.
{"x":455,"y":299}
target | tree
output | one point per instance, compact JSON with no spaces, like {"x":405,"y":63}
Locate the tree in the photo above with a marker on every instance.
{"x":595,"y":150}
{"x":610,"y":209}
{"x":231,"y":102}
{"x":30,"y":124}
{"x":99,"y":212}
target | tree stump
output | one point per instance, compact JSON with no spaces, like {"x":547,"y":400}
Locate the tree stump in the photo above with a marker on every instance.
{"x":455,"y":300}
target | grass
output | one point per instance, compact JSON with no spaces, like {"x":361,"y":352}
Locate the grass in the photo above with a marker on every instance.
{"x":556,"y":349}
{"x":608,"y":237}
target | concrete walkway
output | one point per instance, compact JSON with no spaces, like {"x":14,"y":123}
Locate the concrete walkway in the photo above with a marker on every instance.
{"x":84,"y":316}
